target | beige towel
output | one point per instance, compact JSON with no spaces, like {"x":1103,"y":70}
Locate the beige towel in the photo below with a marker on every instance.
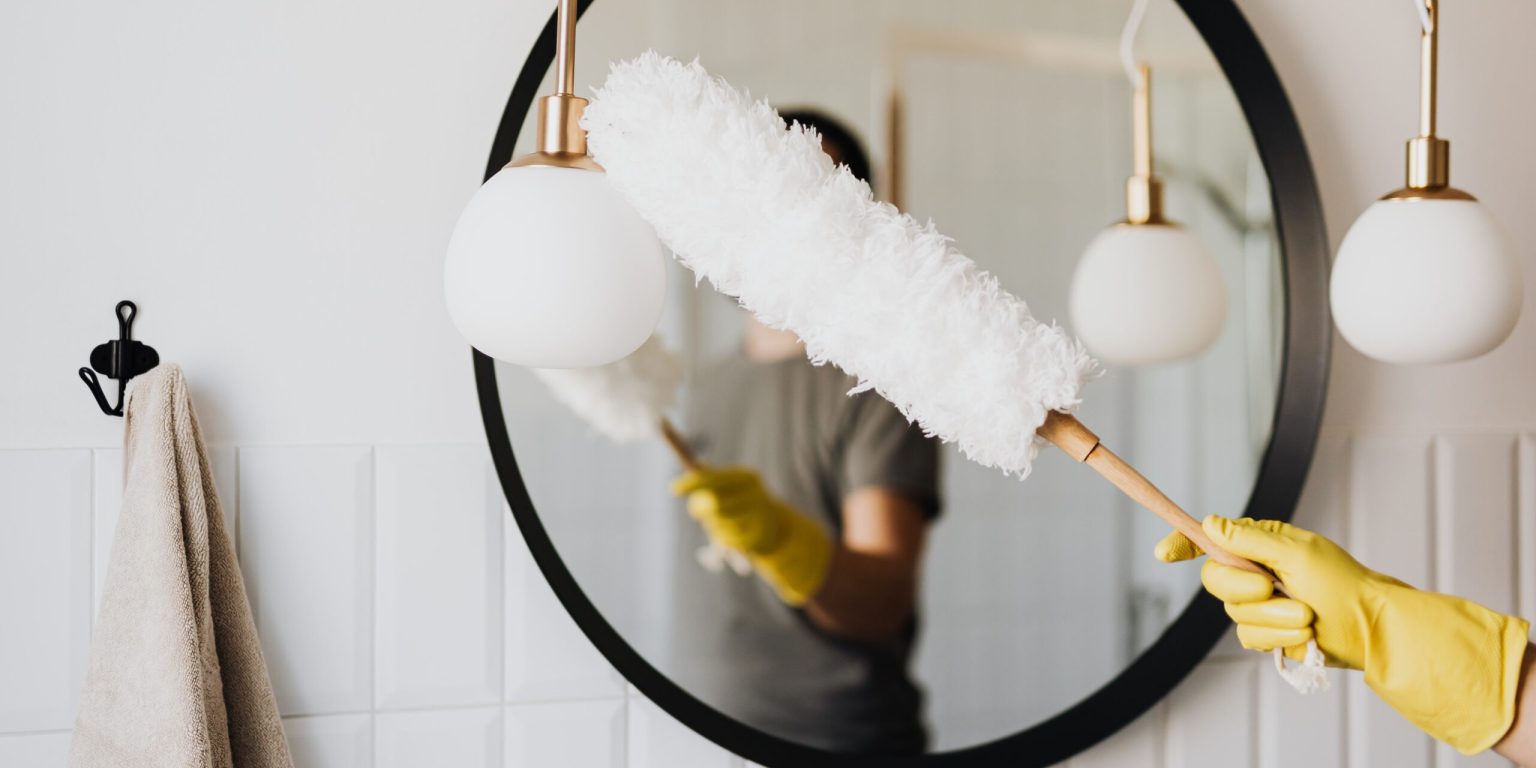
{"x":176,"y":675}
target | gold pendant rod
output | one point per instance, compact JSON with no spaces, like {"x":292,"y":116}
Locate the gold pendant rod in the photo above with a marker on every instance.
{"x":1143,"y":190}
{"x":561,"y":142}
{"x":1429,"y":62}
{"x":565,"y":48}
{"x":1429,"y":156}
{"x":1141,"y":121}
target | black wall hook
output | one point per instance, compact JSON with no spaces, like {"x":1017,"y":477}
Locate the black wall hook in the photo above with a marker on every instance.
{"x":122,"y":359}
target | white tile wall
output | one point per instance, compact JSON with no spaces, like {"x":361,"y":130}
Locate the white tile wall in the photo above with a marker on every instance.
{"x":439,"y":581}
{"x":1212,"y":719}
{"x":330,"y":741}
{"x":45,"y":586}
{"x":306,"y":538}
{"x":463,"y":738}
{"x":406,"y":624}
{"x":586,"y":733}
{"x":38,"y":749}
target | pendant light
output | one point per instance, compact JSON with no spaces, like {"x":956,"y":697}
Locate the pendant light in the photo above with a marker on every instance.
{"x":548,"y":266}
{"x":1146,"y":291}
{"x":1425,"y":275}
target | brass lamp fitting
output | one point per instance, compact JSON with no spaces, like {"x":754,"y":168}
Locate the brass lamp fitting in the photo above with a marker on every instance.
{"x":561,"y":141}
{"x":1143,"y":190}
{"x":1429,"y":156}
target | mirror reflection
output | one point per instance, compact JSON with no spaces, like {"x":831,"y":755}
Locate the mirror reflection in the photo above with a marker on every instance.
{"x":830,"y":575}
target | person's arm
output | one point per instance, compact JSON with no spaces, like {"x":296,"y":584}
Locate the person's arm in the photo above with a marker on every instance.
{"x":1519,"y":744}
{"x":870,"y":587}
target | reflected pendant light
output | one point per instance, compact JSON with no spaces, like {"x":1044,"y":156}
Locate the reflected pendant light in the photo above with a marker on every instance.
{"x":548,"y":266}
{"x":1146,"y":291}
{"x":1425,"y":274}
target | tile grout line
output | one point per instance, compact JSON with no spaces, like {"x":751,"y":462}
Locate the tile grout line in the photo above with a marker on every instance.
{"x":90,"y":567}
{"x":38,"y":732}
{"x":429,"y":709}
{"x":373,"y":582}
{"x":624,"y":747}
{"x":500,"y":511}
{"x":234,"y":501}
{"x":500,"y":627}
{"x":1525,"y":525}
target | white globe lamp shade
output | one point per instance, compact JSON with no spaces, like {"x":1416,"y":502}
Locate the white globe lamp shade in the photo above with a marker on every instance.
{"x":550,"y":268}
{"x":1425,"y":280}
{"x":1145,"y":294}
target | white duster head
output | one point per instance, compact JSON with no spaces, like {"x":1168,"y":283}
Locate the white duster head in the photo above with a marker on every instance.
{"x":767,"y":217}
{"x":624,"y":400}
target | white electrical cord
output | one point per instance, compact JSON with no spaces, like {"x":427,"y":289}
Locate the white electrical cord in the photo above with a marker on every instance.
{"x":1128,"y":41}
{"x":1422,"y":6}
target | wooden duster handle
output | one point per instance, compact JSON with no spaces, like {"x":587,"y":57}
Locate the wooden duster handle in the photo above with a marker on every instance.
{"x":679,"y":446}
{"x":1067,"y":433}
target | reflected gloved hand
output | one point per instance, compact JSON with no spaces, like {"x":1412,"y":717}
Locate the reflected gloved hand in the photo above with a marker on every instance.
{"x":787,"y":549}
{"x":1450,"y":666}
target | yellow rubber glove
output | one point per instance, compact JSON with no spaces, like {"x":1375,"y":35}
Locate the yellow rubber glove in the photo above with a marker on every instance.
{"x":1450,"y":666}
{"x":787,"y":549}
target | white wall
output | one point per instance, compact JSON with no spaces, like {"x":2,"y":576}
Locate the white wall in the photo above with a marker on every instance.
{"x":273,"y":183}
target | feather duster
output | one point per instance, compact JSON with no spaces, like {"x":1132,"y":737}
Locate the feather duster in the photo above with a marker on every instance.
{"x":766,"y":216}
{"x":625,"y":400}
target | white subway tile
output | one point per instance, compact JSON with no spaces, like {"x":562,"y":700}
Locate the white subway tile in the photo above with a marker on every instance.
{"x":330,"y":741}
{"x":438,"y":560}
{"x":1301,"y":729}
{"x":1211,"y":717}
{"x":306,"y":548}
{"x":1138,"y":744}
{"x":461,"y":738}
{"x":1525,"y":524}
{"x":1475,"y":505}
{"x":577,"y":733}
{"x":547,"y":657}
{"x":1390,"y":531}
{"x":109,"y":504}
{"x":1324,"y":503}
{"x":35,"y":750}
{"x":45,"y":586}
{"x":656,"y":740}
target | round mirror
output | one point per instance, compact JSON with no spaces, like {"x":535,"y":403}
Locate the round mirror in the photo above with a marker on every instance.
{"x":966,"y":615}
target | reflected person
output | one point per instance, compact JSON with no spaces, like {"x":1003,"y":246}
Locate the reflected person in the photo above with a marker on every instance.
{"x":830,"y":497}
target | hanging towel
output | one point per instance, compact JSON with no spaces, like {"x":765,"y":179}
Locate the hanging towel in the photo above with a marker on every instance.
{"x":176,"y":675}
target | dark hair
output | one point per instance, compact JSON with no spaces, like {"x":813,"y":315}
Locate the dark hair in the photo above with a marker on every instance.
{"x":836,"y":136}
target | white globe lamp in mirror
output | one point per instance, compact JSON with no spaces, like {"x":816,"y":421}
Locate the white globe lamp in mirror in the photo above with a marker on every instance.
{"x":1146,"y":290}
{"x":548,"y":266}
{"x":1145,"y":294}
{"x":1425,"y":275}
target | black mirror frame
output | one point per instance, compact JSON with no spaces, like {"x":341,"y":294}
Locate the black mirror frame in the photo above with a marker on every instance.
{"x":1282,"y":471}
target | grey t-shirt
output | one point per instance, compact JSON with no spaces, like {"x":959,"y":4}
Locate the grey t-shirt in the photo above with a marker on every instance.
{"x":740,"y":648}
